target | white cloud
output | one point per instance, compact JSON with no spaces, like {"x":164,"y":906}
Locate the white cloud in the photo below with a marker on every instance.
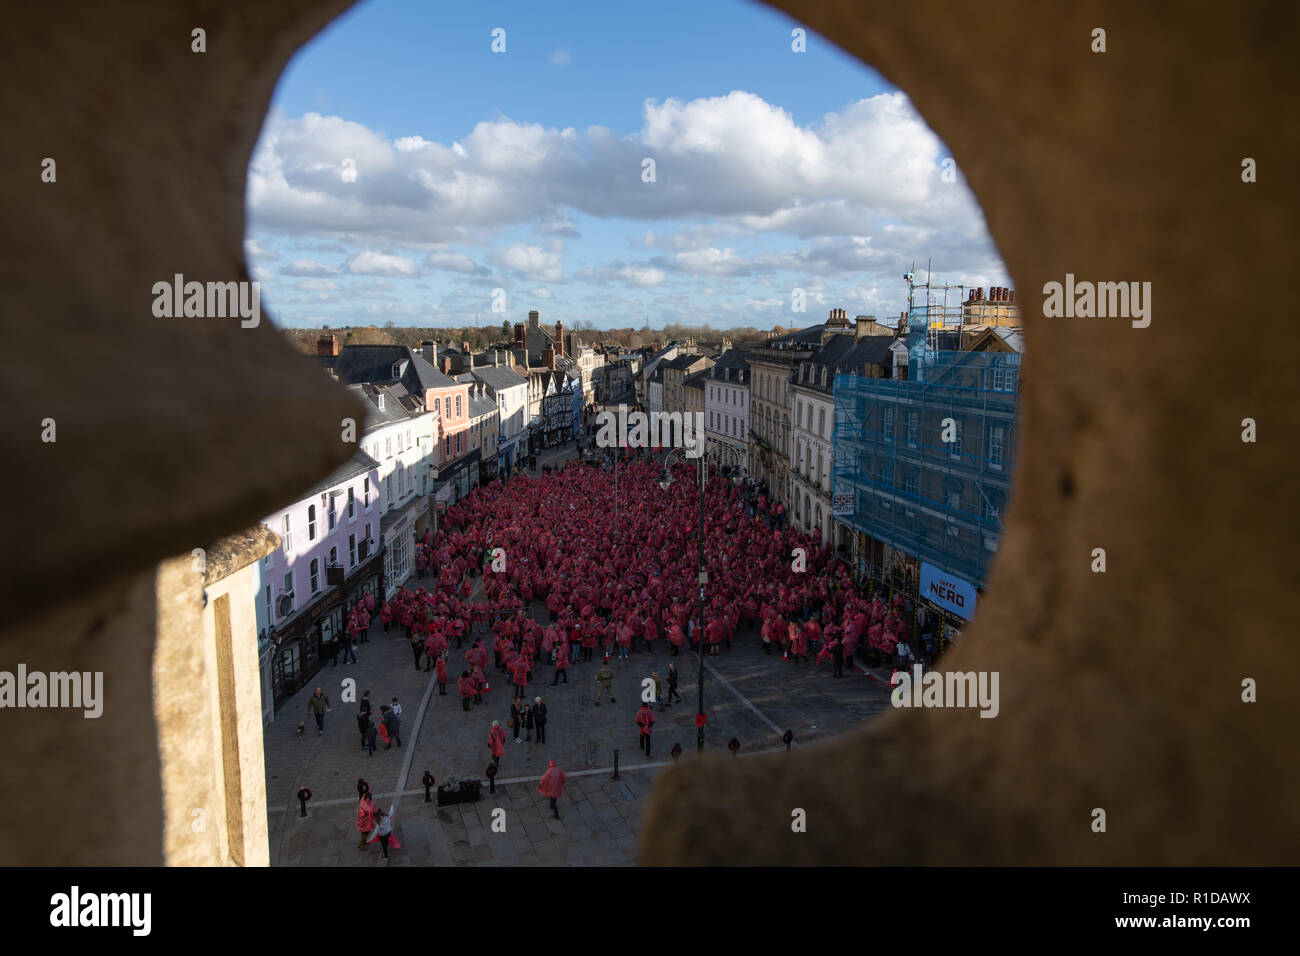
{"x":307,"y":267}
{"x":449,"y":261}
{"x":539,"y":293}
{"x":533,"y":262}
{"x":372,"y":263}
{"x":560,"y":58}
{"x":639,"y":276}
{"x":255,"y":250}
{"x":736,"y":158}
{"x":317,"y":285}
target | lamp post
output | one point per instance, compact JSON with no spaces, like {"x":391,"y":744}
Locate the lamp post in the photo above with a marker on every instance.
{"x":718,"y":453}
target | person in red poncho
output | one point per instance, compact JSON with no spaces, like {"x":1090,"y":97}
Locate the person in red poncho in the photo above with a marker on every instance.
{"x":497,"y":743}
{"x":561,"y":663}
{"x":466,"y":687}
{"x":552,"y":786}
{"x":645,"y":721}
{"x":440,"y":672}
{"x":365,"y":819}
{"x":519,"y":673}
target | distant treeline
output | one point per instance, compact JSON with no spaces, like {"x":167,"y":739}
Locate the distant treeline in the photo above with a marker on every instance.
{"x":483,"y":337}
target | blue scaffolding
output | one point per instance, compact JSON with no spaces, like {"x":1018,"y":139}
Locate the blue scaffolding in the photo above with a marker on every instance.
{"x":928,"y":459}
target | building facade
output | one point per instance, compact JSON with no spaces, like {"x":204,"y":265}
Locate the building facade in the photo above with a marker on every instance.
{"x":727,"y":406}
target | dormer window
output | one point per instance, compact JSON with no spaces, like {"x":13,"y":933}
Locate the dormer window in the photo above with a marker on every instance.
{"x":379,"y":400}
{"x":397,"y":370}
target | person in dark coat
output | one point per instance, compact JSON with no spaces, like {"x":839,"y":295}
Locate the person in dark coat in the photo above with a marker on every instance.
{"x":539,"y":719}
{"x":393,"y":721}
{"x":363,"y":724}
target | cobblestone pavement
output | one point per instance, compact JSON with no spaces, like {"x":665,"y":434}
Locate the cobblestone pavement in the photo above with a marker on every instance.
{"x":748,"y":695}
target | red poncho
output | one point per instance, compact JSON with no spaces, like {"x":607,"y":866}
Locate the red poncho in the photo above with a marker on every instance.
{"x":645,"y":719}
{"x":552,"y":782}
{"x":497,"y":741}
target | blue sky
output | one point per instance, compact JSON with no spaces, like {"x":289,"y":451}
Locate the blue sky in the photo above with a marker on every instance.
{"x":409,"y":173}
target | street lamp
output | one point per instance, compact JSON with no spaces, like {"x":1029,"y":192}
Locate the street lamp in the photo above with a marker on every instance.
{"x":718,"y":453}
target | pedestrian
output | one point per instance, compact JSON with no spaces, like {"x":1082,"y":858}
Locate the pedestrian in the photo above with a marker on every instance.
{"x":318,"y":706}
{"x":346,"y":640}
{"x":604,"y":682}
{"x":466,"y":688}
{"x":517,"y":718}
{"x":384,"y":830}
{"x":417,"y":647}
{"x":645,"y":721}
{"x":363,"y":787}
{"x":561,"y":663}
{"x":363,"y":724}
{"x":396,"y":708}
{"x":496,"y":743}
{"x":365,"y":705}
{"x":672,"y":682}
{"x":539,"y":719}
{"x":372,"y":733}
{"x":837,"y":658}
{"x":393,"y":722}
{"x":365,"y":818}
{"x":552,"y":785}
{"x":528,"y":724}
{"x":659,"y":689}
{"x":440,"y":672}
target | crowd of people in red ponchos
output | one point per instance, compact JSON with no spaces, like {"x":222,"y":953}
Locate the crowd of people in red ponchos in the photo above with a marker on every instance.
{"x":550,"y":540}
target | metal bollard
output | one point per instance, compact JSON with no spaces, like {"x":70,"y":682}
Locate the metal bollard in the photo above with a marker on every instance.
{"x":615,"y":763}
{"x":788,"y":736}
{"x":304,"y":795}
{"x":734,"y":746}
{"x":676,"y":751}
{"x":492,"y":778}
{"x":428,"y":782}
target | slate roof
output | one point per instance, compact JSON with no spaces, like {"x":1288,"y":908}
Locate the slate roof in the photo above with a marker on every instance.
{"x":356,"y":466}
{"x":356,"y":364}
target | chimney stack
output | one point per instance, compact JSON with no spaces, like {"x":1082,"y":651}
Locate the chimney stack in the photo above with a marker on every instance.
{"x":863,"y":325}
{"x":559,"y":337}
{"x":548,"y":357}
{"x":534,"y":318}
{"x":429,"y":352}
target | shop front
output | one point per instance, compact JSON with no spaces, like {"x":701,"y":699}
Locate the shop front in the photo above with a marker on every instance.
{"x":299,"y":647}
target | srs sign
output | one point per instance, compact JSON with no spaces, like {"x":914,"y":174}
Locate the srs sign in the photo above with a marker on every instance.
{"x":948,"y":591}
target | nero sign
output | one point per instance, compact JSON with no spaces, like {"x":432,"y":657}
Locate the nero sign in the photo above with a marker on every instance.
{"x":948,"y":591}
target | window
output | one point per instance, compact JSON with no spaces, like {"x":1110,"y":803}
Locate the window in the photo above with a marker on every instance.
{"x":270,"y":606}
{"x":388,"y":491}
{"x":388,"y":447}
{"x":334,"y":556}
{"x":992,"y":511}
{"x":458,"y":443}
{"x":913,"y":430}
{"x":286,"y":535}
{"x":365,"y":491}
{"x":821,"y":422}
{"x":458,"y":406}
{"x":996,"y":435}
{"x":437,"y":406}
{"x":315,"y":575}
{"x":352,"y":505}
{"x":367,"y":536}
{"x":889,"y":424}
{"x":311,"y":522}
{"x":448,"y":450}
{"x":954,"y":446}
{"x":332,"y":514}
{"x":352,"y":551}
{"x":798,"y":415}
{"x":288,"y":582}
{"x":910,"y":484}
